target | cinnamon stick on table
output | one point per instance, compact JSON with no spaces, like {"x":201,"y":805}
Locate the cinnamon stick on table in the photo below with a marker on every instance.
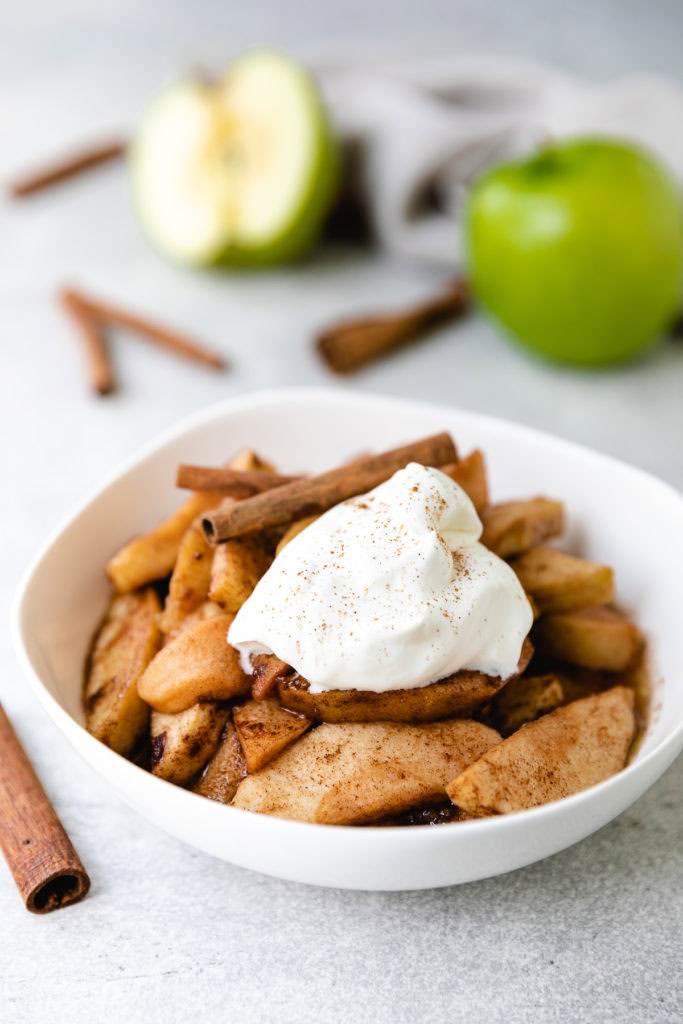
{"x":46,"y":868}
{"x":104,"y":312}
{"x":233,"y":482}
{"x":66,"y":167}
{"x":100,"y":369}
{"x":319,"y":493}
{"x":353,"y":343}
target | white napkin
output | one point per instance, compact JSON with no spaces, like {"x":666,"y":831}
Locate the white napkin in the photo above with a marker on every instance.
{"x":429,"y":129}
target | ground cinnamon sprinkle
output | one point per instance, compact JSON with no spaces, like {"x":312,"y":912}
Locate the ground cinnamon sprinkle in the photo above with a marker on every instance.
{"x":388,"y":589}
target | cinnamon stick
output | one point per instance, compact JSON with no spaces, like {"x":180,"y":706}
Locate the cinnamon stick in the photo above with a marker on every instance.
{"x":46,"y":868}
{"x":234,"y":483}
{"x":173,"y":341}
{"x":316,"y":494}
{"x":100,"y":369}
{"x":349,"y":345}
{"x":66,"y":167}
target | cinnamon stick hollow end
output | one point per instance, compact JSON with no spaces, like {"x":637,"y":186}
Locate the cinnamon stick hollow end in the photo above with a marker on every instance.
{"x":46,"y":868}
{"x":63,"y":887}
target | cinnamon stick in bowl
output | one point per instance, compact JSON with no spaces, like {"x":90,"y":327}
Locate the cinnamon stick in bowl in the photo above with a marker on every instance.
{"x":234,"y":483}
{"x":316,"y":494}
{"x":46,"y":868}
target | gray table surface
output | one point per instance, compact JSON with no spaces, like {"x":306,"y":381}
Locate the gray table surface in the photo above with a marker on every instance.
{"x":592,"y":934}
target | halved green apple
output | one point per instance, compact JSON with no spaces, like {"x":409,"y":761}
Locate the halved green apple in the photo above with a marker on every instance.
{"x":240,"y":171}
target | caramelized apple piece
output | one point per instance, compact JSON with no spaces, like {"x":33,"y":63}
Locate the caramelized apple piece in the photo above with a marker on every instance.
{"x":297,"y":527}
{"x":535,"y":610}
{"x":599,"y":638}
{"x":183,"y":743}
{"x":457,"y":696}
{"x":561,"y":753}
{"x":238,"y":565}
{"x":267,"y":669}
{"x":196,"y":665}
{"x":225,"y":770}
{"x":247,"y":460}
{"x":515,"y":526}
{"x":559,"y":582}
{"x":350,"y":773}
{"x":126,"y":642}
{"x":189,"y":584}
{"x":578,"y":683}
{"x":264,"y":729}
{"x":470,"y":473}
{"x":152,"y":556}
{"x":525,"y":700}
{"x":206,"y":610}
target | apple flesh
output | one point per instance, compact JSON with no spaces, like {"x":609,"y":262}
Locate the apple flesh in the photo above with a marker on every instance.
{"x":240,"y":171}
{"x":578,"y":252}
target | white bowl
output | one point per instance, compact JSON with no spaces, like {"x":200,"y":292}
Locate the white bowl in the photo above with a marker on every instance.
{"x":617,"y":514}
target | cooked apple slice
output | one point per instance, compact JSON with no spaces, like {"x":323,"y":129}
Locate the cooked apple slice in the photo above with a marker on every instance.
{"x":183,"y":743}
{"x":349,"y":773}
{"x":599,"y":638}
{"x":189,"y":585}
{"x":470,"y":473}
{"x":297,"y":527}
{"x":225,"y":770}
{"x":247,"y":460}
{"x":535,"y":610}
{"x":239,"y":171}
{"x":197,"y":665}
{"x":264,"y":729}
{"x":515,"y":526}
{"x":153,"y":556}
{"x":266,"y":670}
{"x":458,"y":695}
{"x":578,"y":683}
{"x":525,"y":700}
{"x":559,"y":582}
{"x":561,"y":753}
{"x":237,"y":567}
{"x":126,"y":642}
{"x":206,"y":610}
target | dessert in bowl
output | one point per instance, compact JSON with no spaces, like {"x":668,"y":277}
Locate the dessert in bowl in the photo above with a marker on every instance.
{"x":421,"y":725}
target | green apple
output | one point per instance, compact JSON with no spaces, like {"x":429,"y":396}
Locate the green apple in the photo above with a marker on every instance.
{"x":239,"y":171}
{"x":578,"y":251}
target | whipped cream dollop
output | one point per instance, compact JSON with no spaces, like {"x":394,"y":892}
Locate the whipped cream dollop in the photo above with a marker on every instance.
{"x":389,"y":590}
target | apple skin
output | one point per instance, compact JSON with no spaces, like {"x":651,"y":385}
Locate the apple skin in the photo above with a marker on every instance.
{"x":307,"y":222}
{"x":578,"y":251}
{"x":224,"y":249}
